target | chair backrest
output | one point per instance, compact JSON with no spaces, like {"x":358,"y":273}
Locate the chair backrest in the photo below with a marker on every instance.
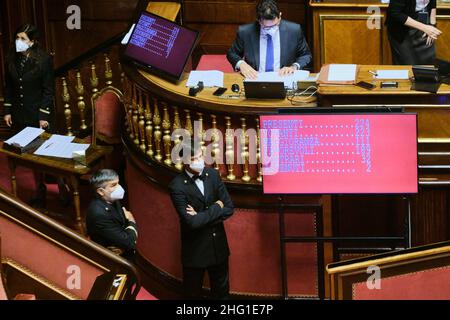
{"x":107,"y":115}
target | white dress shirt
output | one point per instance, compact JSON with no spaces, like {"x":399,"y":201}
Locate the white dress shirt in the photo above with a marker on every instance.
{"x":263,"y":49}
{"x":421,"y":4}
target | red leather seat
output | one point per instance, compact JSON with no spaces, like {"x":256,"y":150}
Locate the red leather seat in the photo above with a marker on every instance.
{"x":214,"y":62}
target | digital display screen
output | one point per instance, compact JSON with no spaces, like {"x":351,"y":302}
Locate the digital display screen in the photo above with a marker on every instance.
{"x":161,"y":45}
{"x":339,"y":153}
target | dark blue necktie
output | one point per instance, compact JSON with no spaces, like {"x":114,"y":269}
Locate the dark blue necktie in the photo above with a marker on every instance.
{"x":269,"y":54}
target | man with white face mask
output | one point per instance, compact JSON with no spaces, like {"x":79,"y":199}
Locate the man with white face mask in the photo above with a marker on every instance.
{"x":202,"y":203}
{"x":269,"y":44}
{"x":107,"y":222}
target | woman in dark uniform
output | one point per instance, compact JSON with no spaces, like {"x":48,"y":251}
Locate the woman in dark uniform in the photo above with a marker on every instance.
{"x":412,"y":31}
{"x":29,"y":82}
{"x":29,"y":93}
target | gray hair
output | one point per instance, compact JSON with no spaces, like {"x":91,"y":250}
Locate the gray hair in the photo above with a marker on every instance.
{"x":101,"y":177}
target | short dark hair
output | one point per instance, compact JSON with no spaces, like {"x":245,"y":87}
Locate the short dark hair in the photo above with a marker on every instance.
{"x":30,"y":30}
{"x":267,"y":10}
{"x":101,"y":177}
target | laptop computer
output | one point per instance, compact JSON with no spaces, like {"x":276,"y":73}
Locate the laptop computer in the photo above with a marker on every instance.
{"x":264,"y":90}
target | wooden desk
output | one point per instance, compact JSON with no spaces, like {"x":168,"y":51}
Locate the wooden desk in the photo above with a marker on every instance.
{"x":65,"y":168}
{"x":330,"y":95}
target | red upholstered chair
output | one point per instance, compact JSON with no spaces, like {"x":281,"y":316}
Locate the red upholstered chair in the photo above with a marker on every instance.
{"x":107,"y":115}
{"x":214,"y":62}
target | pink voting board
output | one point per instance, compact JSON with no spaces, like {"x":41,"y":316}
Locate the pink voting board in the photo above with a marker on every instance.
{"x":339,"y":153}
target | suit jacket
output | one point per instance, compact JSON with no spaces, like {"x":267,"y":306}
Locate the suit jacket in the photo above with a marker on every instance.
{"x":293,"y":45}
{"x":29,"y":94}
{"x":106,"y":224}
{"x":203,"y":238}
{"x":397,"y":14}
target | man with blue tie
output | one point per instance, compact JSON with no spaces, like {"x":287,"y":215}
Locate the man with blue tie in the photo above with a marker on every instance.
{"x":202,"y":204}
{"x":269,"y":44}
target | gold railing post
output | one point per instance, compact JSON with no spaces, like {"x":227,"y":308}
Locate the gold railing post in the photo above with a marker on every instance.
{"x":167,"y":139}
{"x":157,"y":133}
{"x":244,"y":151}
{"x":94,"y":78}
{"x":177,"y":126}
{"x":148,"y":126}
{"x":229,"y":154}
{"x":258,"y":151}
{"x":108,"y":71}
{"x":67,"y":111}
{"x":81,"y":104}
{"x":141,"y":122}
{"x":135,"y":116}
{"x":215,"y":137}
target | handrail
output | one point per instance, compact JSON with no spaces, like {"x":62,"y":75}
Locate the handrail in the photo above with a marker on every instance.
{"x":61,"y":71}
{"x":40,"y":223}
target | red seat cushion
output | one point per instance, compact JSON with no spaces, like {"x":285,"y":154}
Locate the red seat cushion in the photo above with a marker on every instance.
{"x":214,"y":62}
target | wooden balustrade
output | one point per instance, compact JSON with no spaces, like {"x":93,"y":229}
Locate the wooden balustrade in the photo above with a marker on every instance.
{"x":231,"y":142}
{"x":79,"y":85}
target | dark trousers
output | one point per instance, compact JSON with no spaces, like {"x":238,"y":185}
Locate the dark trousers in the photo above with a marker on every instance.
{"x":218,"y":279}
{"x":413,"y":50}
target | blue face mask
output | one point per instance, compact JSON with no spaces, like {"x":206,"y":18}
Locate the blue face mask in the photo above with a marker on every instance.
{"x":21,"y":46}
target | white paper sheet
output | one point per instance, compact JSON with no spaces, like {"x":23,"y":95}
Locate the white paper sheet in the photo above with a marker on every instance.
{"x":342,"y":72}
{"x":61,"y":149}
{"x":289,"y":80}
{"x":392,"y":74}
{"x":128,"y":35}
{"x":25,"y":136}
{"x":210,"y":78}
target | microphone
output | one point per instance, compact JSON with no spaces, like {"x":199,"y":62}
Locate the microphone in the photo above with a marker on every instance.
{"x":194,"y":90}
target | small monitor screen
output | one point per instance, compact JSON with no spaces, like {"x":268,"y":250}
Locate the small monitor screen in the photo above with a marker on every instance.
{"x":160,"y":45}
{"x":339,"y":153}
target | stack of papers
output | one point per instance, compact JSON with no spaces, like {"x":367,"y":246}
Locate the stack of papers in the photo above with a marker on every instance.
{"x":24,"y":137}
{"x":211,"y":78}
{"x":61,"y":147}
{"x":290,"y":80}
{"x":342,"y":72}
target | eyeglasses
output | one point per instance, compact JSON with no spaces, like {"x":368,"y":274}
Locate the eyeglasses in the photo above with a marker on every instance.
{"x":266,"y":28}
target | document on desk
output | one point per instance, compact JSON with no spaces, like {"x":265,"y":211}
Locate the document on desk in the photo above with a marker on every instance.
{"x":60,"y":149}
{"x":210,"y":78}
{"x":24,"y":137}
{"x":54,"y":139}
{"x":342,"y":72}
{"x":290,"y":80}
{"x":392,"y":74}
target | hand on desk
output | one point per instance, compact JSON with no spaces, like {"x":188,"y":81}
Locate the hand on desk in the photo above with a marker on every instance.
{"x":247,"y":71}
{"x":286,"y":70}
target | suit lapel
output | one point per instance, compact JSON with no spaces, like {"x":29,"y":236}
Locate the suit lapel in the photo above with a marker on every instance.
{"x":255,"y":45}
{"x":283,"y":43}
{"x":206,"y":186}
{"x":192,"y":187}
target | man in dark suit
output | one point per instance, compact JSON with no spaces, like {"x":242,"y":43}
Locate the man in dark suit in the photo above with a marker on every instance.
{"x":202,"y":203}
{"x":108,"y":223}
{"x":269,"y":44}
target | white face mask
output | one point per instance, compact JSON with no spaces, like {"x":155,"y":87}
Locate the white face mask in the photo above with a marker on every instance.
{"x":270,"y":31}
{"x":197,"y":165}
{"x":117,"y":194}
{"x":21,"y":46}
